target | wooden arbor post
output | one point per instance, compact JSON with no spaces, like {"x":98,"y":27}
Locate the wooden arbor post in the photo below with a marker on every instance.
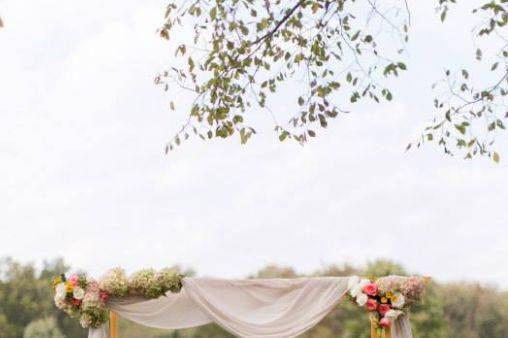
{"x":113,"y":325}
{"x":373,"y":331}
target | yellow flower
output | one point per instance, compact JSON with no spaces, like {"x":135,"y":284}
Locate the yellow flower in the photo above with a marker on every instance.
{"x":68,"y":287}
{"x":389,"y":295}
{"x":57,"y":280}
{"x":394,"y":299}
{"x":384,"y":300}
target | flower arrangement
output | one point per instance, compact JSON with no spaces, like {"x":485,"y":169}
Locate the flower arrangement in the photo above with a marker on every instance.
{"x":386,"y":298}
{"x":86,"y":298}
{"x":115,"y":283}
{"x":152,"y":284}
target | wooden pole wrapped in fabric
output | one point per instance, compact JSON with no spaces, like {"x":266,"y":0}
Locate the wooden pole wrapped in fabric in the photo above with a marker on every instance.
{"x":113,"y":325}
{"x":374,"y":334}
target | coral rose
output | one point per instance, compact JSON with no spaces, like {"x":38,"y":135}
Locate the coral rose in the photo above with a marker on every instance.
{"x":383,"y":309}
{"x":371,"y":305}
{"x":385,"y":323}
{"x":104,"y":296}
{"x":370,"y":289}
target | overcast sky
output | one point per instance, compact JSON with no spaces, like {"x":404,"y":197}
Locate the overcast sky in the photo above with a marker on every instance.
{"x":83,"y":174}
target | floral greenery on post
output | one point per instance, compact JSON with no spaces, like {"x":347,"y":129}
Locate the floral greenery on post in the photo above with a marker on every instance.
{"x":85,"y":298}
{"x":152,"y":284}
{"x":387,"y":298}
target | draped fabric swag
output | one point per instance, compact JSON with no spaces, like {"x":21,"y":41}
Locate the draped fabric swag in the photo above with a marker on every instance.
{"x":253,"y":308}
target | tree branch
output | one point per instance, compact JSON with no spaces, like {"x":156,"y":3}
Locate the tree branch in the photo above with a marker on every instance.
{"x":280,"y":23}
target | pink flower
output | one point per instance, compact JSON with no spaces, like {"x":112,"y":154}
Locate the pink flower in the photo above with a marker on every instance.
{"x":385,"y":323}
{"x":92,"y":286}
{"x":104,"y":296}
{"x":371,"y":305}
{"x":370,"y":289}
{"x":383,"y":309}
{"x":74,"y":280}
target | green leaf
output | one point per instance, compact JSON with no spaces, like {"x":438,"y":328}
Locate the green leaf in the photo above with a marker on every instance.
{"x":443,"y":16}
{"x":322,"y":121}
{"x":283,"y":136}
{"x":213,"y":13}
{"x":496,"y":157}
{"x":238,"y":119}
{"x":355,"y":36}
{"x":478,"y":54}
{"x":461,"y":128}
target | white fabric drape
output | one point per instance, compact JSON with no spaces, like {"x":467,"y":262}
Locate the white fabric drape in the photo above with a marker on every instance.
{"x":262,"y":308}
{"x":402,"y":328}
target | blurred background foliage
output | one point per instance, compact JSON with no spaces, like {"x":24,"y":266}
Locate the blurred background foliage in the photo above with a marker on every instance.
{"x":467,"y":310}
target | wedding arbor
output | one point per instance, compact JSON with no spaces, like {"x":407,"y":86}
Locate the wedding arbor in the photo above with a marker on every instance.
{"x":260,"y":308}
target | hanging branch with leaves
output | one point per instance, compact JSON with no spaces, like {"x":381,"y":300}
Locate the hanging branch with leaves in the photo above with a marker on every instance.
{"x":244,"y":51}
{"x":473,"y":114}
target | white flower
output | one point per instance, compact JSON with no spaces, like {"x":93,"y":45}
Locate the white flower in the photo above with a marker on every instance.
{"x":399,"y":300}
{"x":78,"y":293}
{"x":357,"y":289}
{"x":352,"y":286}
{"x":60,"y":303}
{"x":60,"y":292}
{"x":352,"y":282}
{"x":361,"y":299}
{"x":363,"y":282}
{"x":393,"y":314}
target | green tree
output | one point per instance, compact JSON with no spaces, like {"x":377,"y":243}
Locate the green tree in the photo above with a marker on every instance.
{"x":382,"y":267}
{"x":447,"y":310}
{"x":428,"y":317}
{"x":43,"y":328}
{"x":25,"y":296}
{"x":7,"y":329}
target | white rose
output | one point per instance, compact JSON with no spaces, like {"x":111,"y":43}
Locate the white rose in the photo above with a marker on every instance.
{"x":363,"y":282}
{"x":357,"y":289}
{"x":393,"y":314}
{"x":399,"y":302}
{"x":59,"y":303}
{"x":78,"y":293}
{"x":361,"y":299}
{"x":60,"y":292}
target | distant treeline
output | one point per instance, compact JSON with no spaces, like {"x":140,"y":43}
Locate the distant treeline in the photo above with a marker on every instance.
{"x":451,"y":310}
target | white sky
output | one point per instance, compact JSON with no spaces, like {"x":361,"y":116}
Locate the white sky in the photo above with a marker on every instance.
{"x":83,"y":175}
